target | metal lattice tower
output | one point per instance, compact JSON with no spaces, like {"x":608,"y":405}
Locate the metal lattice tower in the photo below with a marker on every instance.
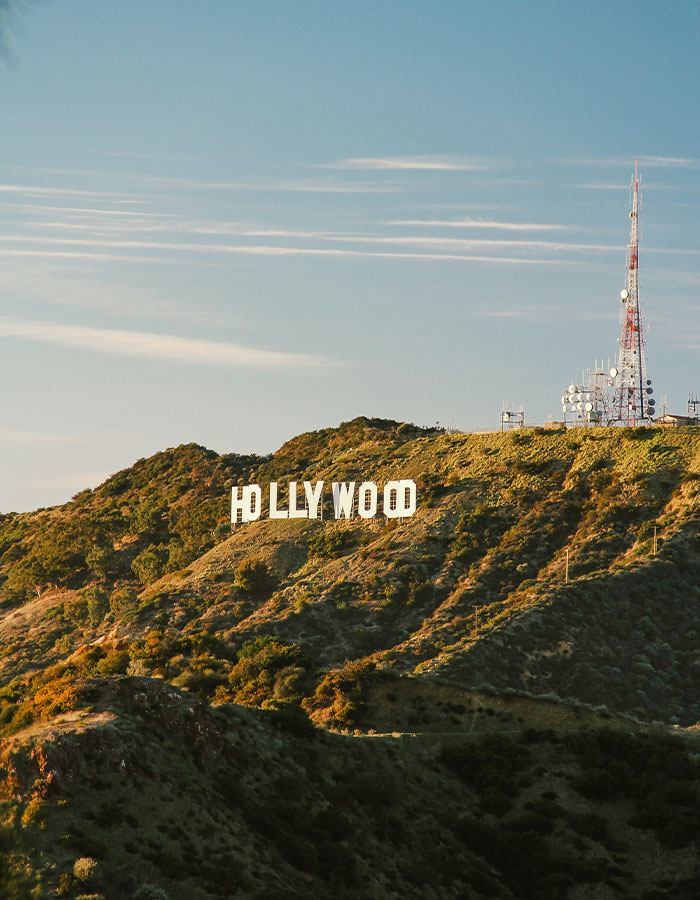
{"x":632,"y":403}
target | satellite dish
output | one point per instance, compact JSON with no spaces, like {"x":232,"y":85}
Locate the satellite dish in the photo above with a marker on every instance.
{"x":651,"y":402}
{"x":624,"y":294}
{"x":589,"y":407}
{"x":564,"y":408}
{"x":613,"y":372}
{"x":579,"y":406}
{"x":648,"y":380}
{"x":650,"y":390}
{"x":572,"y":388}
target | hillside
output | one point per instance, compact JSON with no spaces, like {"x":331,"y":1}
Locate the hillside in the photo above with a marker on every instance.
{"x":470,"y":590}
{"x":151,"y":794}
{"x":457,"y":624}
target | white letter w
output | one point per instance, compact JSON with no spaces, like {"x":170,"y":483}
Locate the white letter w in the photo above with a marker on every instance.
{"x":343,"y":495}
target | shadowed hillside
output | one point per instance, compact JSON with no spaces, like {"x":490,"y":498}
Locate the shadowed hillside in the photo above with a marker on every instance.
{"x":152,"y":794}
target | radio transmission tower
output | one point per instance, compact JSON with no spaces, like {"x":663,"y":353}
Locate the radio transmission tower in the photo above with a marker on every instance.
{"x":632,"y":401}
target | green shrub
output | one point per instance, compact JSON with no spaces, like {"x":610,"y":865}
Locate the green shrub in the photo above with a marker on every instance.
{"x":115,"y":662}
{"x":253,"y":577}
{"x":86,"y":871}
{"x":149,"y":892}
{"x":103,"y":561}
{"x":268,"y":669}
{"x":122,"y":601}
{"x":342,"y":693}
{"x":331,"y":543}
{"x":97,"y":604}
{"x":76,"y":611}
{"x":32,"y":811}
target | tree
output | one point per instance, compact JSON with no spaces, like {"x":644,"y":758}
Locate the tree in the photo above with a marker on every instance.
{"x":150,"y":563}
{"x":97,"y":604}
{"x":102,"y":561}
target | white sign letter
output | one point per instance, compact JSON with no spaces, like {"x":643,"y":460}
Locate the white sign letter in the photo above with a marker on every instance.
{"x":295,"y":513}
{"x":313,"y":497}
{"x":343,"y":494}
{"x":367,"y":500}
{"x":274,"y":512}
{"x":248,"y":504}
{"x":399,"y":498}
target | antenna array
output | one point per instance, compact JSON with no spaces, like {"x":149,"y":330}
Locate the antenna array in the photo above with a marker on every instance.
{"x":623,"y":394}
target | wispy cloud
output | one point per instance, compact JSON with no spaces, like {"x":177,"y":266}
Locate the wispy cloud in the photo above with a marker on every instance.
{"x":322,"y":187}
{"x":678,"y":162}
{"x":675,"y":162}
{"x":33,"y":190}
{"x":91,"y":212}
{"x":75,"y":285}
{"x":84,"y":256}
{"x":424,"y":241}
{"x":531,"y":312}
{"x":278,"y":251}
{"x":289,"y":185}
{"x":403,"y":255}
{"x":604,"y":187}
{"x":677,"y":251}
{"x":478,"y":223}
{"x":137,"y":183}
{"x":408,"y":163}
{"x":594,"y":161}
{"x":450,"y":248}
{"x":154,"y":346}
{"x":40,"y":438}
{"x":452,"y":244}
{"x":176,"y":227}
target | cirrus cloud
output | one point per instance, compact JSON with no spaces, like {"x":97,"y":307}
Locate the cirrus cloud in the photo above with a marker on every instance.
{"x":154,"y":346}
{"x":411,"y":163}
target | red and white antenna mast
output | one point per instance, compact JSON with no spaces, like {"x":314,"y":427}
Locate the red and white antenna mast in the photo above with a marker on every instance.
{"x":632,"y":403}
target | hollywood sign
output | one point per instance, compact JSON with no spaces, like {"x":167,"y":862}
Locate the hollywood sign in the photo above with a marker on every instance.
{"x":398,"y":500}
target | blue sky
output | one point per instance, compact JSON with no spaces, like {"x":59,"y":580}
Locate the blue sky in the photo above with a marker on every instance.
{"x":230,"y":222}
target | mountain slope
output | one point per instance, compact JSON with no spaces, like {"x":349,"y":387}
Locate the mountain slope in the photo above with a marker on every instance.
{"x":470,"y":590}
{"x":494,"y":662}
{"x":153,"y":794}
